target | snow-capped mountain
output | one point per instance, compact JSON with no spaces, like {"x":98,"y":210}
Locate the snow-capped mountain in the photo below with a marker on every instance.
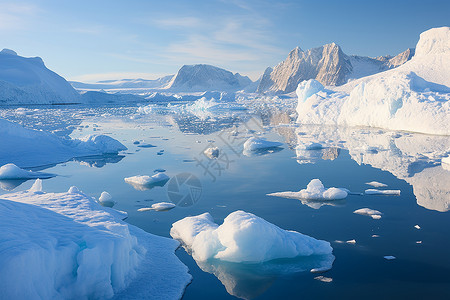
{"x":328,"y":64}
{"x":26,"y":80}
{"x":124,"y":84}
{"x":197,"y":78}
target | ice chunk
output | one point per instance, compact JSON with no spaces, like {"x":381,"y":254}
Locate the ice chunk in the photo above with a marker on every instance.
{"x":314,"y":191}
{"x":73,"y":190}
{"x":161,"y":206}
{"x":254,"y":144}
{"x":374,"y":214}
{"x":416,"y":226}
{"x":324,"y":279}
{"x":389,"y":257}
{"x":243,"y":237}
{"x":376,"y":184}
{"x":11,"y":171}
{"x":212,"y":152}
{"x":382,"y":192}
{"x":106,"y":200}
{"x":67,"y":246}
{"x":307,"y":88}
{"x":145,"y":182}
{"x":351,"y":242}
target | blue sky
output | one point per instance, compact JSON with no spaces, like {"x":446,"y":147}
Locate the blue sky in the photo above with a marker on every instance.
{"x":95,"y":40}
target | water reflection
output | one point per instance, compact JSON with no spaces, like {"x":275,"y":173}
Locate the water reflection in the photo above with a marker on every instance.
{"x":99,"y":161}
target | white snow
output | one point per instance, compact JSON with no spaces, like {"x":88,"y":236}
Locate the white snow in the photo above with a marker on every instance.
{"x":254,"y":144}
{"x":243,"y":237}
{"x":314,"y":191}
{"x":413,"y":97}
{"x":67,"y":246}
{"x":376,"y":184}
{"x":11,"y":171}
{"x":161,"y":206}
{"x":26,"y":80}
{"x":145,"y":182}
{"x":374,"y":214}
{"x":47,"y":148}
{"x":446,"y":160}
{"x":382,"y":192}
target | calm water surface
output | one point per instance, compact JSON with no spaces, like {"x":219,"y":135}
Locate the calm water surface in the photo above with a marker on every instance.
{"x":234,"y":181}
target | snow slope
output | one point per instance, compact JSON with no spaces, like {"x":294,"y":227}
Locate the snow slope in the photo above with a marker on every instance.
{"x":28,"y":148}
{"x":27,"y":81}
{"x":67,"y":246}
{"x":413,"y":97}
{"x":197,"y":78}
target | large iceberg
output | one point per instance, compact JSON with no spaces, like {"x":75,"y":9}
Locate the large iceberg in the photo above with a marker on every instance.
{"x":413,"y":97}
{"x":243,"y":237}
{"x":17,"y":143}
{"x":67,"y":246}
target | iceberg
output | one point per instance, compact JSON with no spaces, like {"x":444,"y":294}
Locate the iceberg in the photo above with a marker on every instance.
{"x":255,"y":144}
{"x":67,"y":246}
{"x":382,"y":192}
{"x":161,"y":206}
{"x":145,"y":182}
{"x":314,"y":191}
{"x":412,"y":97}
{"x":376,"y":184}
{"x":243,"y":238}
{"x":106,"y":199}
{"x":374,"y":214}
{"x":11,"y":171}
{"x":48,"y":148}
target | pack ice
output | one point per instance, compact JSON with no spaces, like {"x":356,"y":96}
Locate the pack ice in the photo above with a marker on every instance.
{"x":67,"y":246}
{"x":413,"y":97}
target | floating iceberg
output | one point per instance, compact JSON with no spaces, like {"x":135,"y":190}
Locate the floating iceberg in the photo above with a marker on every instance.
{"x":412,"y":97}
{"x":17,"y":143}
{"x":376,"y":184}
{"x":11,"y":171}
{"x":161,"y":206}
{"x":145,"y":182}
{"x":106,"y":200}
{"x":243,"y":237}
{"x":382,"y":192}
{"x":314,"y":191}
{"x":374,"y":214}
{"x":67,"y":246}
{"x":255,"y":144}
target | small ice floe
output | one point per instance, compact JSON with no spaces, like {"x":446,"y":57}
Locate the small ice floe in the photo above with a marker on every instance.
{"x":310,"y":146}
{"x":416,"y":226}
{"x":145,"y":182}
{"x":106,"y":200}
{"x":351,"y":242}
{"x":389,"y":257}
{"x":36,"y":187}
{"x":11,"y":171}
{"x":212,"y":152}
{"x":246,"y":238}
{"x":375,"y":235}
{"x":146,"y":146}
{"x":376,"y":184}
{"x":324,"y":279}
{"x":382,"y":192}
{"x":314,"y":191}
{"x":161,"y":206}
{"x":321,"y":270}
{"x":418,"y":242}
{"x":374,"y":214}
{"x":159,"y":170}
{"x":255,"y":144}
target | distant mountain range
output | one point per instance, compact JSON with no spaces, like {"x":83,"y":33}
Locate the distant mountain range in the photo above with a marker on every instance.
{"x":327,"y":64}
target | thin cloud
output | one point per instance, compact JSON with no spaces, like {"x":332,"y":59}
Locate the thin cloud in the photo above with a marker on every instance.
{"x":179,"y":22}
{"x":15,"y":16}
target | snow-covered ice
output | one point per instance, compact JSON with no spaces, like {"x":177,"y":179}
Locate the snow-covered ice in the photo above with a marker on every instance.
{"x":67,"y":246}
{"x":382,"y":192}
{"x":11,"y":171}
{"x":255,"y":144}
{"x":106,"y":199}
{"x":413,"y":97}
{"x":161,"y":206}
{"x":376,"y":184}
{"x":374,"y":214}
{"x":212,"y":152}
{"x":314,"y":191}
{"x":48,"y":148}
{"x":416,"y":226}
{"x":243,"y":237}
{"x":145,"y":182}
